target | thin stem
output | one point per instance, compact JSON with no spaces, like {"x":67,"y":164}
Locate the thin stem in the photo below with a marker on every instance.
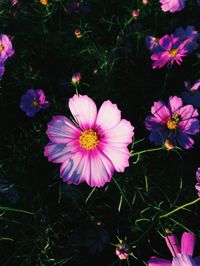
{"x":122,"y":192}
{"x":179,"y":208}
{"x":145,"y":151}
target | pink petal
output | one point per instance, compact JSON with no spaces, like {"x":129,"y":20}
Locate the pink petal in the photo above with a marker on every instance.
{"x":62,"y":130}
{"x":102,"y":169}
{"x":120,"y":135}
{"x":173,"y":244}
{"x":187,"y":112}
{"x":58,"y":153}
{"x":119,"y":156}
{"x":92,"y":167}
{"x":108,"y":116}
{"x":175,"y":103}
{"x":160,"y":111}
{"x":155,"y":261}
{"x":187,"y":243}
{"x":84,"y":111}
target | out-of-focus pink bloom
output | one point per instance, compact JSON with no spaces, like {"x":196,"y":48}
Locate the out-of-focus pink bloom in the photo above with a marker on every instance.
{"x":172,"y":5}
{"x":76,"y":78}
{"x":135,"y":13}
{"x":122,"y":251}
{"x":145,"y":2}
{"x":6,"y":48}
{"x":14,"y":2}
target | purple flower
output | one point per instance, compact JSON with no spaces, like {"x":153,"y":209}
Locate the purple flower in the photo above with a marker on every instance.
{"x":6,"y":49}
{"x":172,"y":51}
{"x":189,"y":34}
{"x":174,"y":122}
{"x":192,"y":94}
{"x":197,"y":186}
{"x":2,"y":69}
{"x":33,"y":101}
{"x":172,"y":5}
{"x":182,"y":254}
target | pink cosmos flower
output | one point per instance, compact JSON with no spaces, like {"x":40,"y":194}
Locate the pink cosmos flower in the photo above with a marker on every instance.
{"x":182,"y":254}
{"x":172,"y":5}
{"x":173,"y":51}
{"x":93,"y":147}
{"x":6,"y":49}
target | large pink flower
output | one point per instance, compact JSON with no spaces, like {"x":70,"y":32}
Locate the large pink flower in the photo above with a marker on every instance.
{"x":93,"y":148}
{"x":182,"y":254}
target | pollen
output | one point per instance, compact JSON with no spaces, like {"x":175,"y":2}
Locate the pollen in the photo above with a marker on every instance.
{"x":171,"y":124}
{"x":173,"y":52}
{"x":35,"y":103}
{"x":1,"y":47}
{"x":89,"y":139}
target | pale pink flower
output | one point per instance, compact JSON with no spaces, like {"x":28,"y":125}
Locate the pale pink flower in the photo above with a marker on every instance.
{"x":93,"y":148}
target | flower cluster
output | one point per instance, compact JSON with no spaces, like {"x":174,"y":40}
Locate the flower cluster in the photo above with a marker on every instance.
{"x":173,"y":121}
{"x":182,"y":254}
{"x":92,"y":149}
{"x":172,"y":48}
{"x":6,"y":51}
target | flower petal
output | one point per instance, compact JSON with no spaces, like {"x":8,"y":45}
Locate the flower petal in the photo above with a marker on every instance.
{"x":184,"y":140}
{"x":173,"y":244}
{"x":197,"y":261}
{"x":62,"y":130}
{"x":175,"y":103}
{"x":57,"y":153}
{"x":156,"y":261}
{"x":187,"y":243}
{"x":84,"y":111}
{"x":160,"y":111}
{"x":152,"y":123}
{"x":108,"y":116}
{"x":166,"y":42}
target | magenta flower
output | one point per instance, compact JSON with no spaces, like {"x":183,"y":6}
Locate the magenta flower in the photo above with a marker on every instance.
{"x":172,"y":5}
{"x":192,"y":94}
{"x":93,"y":148}
{"x":122,"y":251}
{"x":197,"y":186}
{"x":173,"y":51}
{"x":174,"y":122}
{"x":182,"y":254}
{"x":6,"y":49}
{"x":152,"y":44}
{"x":33,"y":101}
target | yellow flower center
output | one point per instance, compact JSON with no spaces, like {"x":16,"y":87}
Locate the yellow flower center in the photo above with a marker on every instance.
{"x":35,"y":103}
{"x":172,"y":123}
{"x":1,"y":47}
{"x":89,"y":139}
{"x":173,"y":52}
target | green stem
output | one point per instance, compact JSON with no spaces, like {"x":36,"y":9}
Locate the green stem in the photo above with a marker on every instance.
{"x":145,"y":151}
{"x":179,"y":208}
{"x":122,"y":192}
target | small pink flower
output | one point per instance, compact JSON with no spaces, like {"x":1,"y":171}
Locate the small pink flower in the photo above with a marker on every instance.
{"x":93,"y":148}
{"x":77,"y":33}
{"x":145,"y":2}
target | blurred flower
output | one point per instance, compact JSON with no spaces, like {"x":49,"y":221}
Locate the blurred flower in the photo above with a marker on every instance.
{"x":33,"y":101}
{"x":76,"y":78}
{"x":197,"y":186}
{"x":122,"y":250}
{"x":172,"y":51}
{"x":44,"y":2}
{"x":182,"y":254}
{"x":189,"y":34}
{"x":145,"y":2}
{"x":93,"y":148}
{"x":192,"y":94}
{"x":172,"y":5}
{"x":77,"y":33}
{"x":14,"y":2}
{"x":6,"y":48}
{"x":135,"y":13}
{"x":174,"y":122}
